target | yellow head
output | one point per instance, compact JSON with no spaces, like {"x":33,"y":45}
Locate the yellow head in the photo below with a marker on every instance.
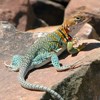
{"x":74,"y":22}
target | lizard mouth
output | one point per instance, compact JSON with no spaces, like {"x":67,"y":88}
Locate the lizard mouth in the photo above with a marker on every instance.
{"x":86,"y":20}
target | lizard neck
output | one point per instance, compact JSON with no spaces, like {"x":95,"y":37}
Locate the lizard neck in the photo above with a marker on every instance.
{"x":63,"y":33}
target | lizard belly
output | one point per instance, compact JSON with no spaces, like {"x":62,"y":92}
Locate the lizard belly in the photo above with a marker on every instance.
{"x":48,"y":59}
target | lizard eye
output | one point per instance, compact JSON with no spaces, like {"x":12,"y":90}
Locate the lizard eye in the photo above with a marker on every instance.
{"x":77,"y":18}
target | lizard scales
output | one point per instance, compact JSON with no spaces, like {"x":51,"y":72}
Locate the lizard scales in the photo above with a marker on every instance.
{"x":42,"y":45}
{"x":47,"y":47}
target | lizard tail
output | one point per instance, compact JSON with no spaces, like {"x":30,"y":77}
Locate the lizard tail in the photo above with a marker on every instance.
{"x":30,"y":86}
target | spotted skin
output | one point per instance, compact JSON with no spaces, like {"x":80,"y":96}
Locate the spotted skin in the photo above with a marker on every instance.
{"x":46,"y":49}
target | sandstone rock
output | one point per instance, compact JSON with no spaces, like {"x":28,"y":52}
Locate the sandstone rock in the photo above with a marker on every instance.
{"x":43,"y":29}
{"x":13,"y":41}
{"x":20,"y":13}
{"x":87,"y":32}
{"x":95,"y":22}
{"x":82,"y":82}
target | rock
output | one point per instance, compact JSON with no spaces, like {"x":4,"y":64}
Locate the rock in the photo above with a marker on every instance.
{"x":13,"y":41}
{"x":44,"y":29}
{"x":70,"y":84}
{"x":89,"y":89}
{"x":22,"y":14}
{"x":95,"y":22}
{"x":87,"y":32}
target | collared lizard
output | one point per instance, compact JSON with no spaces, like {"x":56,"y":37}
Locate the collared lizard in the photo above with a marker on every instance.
{"x":46,"y":49}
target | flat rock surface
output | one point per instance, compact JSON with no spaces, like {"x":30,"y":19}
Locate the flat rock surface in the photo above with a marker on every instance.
{"x":13,"y":41}
{"x":10,"y":89}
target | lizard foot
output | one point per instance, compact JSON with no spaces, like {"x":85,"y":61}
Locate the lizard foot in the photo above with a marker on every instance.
{"x":11,"y":67}
{"x":68,"y":67}
{"x":82,"y":46}
{"x":74,"y":65}
{"x":15,"y":63}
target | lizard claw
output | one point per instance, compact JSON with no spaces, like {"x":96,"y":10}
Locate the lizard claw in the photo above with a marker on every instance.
{"x":82,"y":46}
{"x":75,"y":40}
{"x":11,"y":67}
{"x":6,"y":64}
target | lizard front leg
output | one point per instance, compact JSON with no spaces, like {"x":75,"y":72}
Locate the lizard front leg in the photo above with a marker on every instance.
{"x":74,"y":50}
{"x":56,"y":64}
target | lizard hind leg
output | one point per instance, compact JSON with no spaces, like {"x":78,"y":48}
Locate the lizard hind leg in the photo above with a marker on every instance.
{"x":15,"y":63}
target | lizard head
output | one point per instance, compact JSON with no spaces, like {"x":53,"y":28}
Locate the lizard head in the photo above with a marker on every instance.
{"x":74,"y":22}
